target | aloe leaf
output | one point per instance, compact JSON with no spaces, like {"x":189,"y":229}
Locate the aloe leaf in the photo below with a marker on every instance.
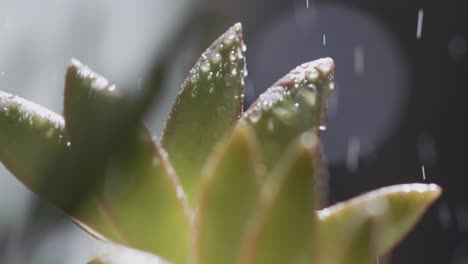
{"x":134,"y":187}
{"x":294,"y":104}
{"x":115,"y":254}
{"x":208,"y":105}
{"x":283,"y":231}
{"x":228,"y":197}
{"x":357,"y":248}
{"x":33,"y":143}
{"x":394,"y":210}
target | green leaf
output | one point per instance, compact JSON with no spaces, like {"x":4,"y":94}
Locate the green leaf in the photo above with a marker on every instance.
{"x":228,"y":197}
{"x":283,"y":231}
{"x":115,"y":254}
{"x":358,"y":247}
{"x":393,"y":210}
{"x":294,"y":104}
{"x":135,"y":189}
{"x":208,"y":105}
{"x":33,"y":143}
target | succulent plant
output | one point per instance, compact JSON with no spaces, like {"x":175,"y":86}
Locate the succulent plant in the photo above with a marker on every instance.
{"x":223,"y":186}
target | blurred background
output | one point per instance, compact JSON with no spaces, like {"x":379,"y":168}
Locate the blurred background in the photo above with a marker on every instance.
{"x":397,"y":114}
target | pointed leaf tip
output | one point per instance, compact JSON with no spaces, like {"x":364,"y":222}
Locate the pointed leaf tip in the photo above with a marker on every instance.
{"x":208,"y":105}
{"x":32,"y":138}
{"x":394,"y":209}
{"x":294,"y":104}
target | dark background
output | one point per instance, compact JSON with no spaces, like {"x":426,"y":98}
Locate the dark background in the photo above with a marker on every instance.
{"x":398,"y":109}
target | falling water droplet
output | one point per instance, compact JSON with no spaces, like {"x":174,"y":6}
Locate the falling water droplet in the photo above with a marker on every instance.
{"x":324,"y":40}
{"x":358,"y":60}
{"x":68,"y":144}
{"x":420,"y":23}
{"x":352,"y":159}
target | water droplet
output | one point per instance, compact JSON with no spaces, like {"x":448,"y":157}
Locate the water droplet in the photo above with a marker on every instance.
{"x":312,"y":76}
{"x":111,"y":88}
{"x":244,"y":47}
{"x":254,"y":116}
{"x":331,"y":85}
{"x":194,"y":91}
{"x":205,"y":67}
{"x":215,"y":58}
{"x":212,"y":88}
{"x":322,"y":127}
{"x":352,"y":159}
{"x":324,"y":68}
{"x":210,"y":76}
{"x":358,"y":60}
{"x":420,"y":22}
{"x":232,"y":55}
{"x":240,"y":55}
{"x":309,"y":96}
{"x":234,"y":71}
{"x":99,"y":83}
{"x":270,"y":125}
{"x":296,"y":105}
{"x":229,"y":39}
{"x":193,"y":78}
{"x":68,"y":144}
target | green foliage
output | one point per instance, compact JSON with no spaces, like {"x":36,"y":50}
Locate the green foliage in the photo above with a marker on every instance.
{"x":226,"y":186}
